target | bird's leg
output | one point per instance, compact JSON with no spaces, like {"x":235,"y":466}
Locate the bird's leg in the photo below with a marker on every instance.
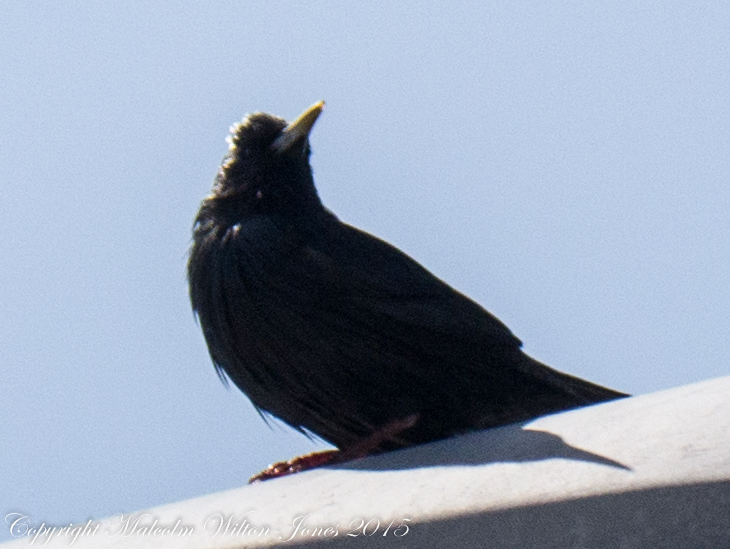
{"x":365,"y":447}
{"x":371,"y":443}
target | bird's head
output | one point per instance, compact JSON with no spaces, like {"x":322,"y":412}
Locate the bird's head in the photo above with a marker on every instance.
{"x":267,"y":167}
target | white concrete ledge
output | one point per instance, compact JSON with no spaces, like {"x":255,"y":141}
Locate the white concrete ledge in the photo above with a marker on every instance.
{"x":648,"y":471}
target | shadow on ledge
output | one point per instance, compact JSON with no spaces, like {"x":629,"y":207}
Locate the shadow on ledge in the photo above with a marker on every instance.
{"x":511,"y":444}
{"x":666,"y":517}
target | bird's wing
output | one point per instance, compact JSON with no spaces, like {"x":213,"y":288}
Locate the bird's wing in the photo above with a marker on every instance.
{"x":375,"y":278}
{"x":404,"y":306}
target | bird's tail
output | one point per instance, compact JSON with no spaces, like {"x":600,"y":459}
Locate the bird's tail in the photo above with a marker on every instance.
{"x":532,"y":389}
{"x":566,"y":390}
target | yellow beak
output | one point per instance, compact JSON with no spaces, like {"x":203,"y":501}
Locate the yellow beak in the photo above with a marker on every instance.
{"x":298,"y":129}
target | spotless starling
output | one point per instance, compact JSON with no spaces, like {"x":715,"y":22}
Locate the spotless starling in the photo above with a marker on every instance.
{"x":336,"y":332}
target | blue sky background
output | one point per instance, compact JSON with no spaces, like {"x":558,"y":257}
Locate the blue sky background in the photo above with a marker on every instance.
{"x":565,"y":164}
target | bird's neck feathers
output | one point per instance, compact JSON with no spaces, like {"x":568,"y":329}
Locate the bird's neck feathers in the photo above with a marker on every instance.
{"x":289,"y":196}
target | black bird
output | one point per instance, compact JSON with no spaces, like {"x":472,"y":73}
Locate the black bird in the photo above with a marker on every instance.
{"x":336,"y":332}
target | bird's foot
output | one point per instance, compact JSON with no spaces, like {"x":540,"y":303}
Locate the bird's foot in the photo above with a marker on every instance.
{"x":296,"y":465}
{"x":367,"y":446}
